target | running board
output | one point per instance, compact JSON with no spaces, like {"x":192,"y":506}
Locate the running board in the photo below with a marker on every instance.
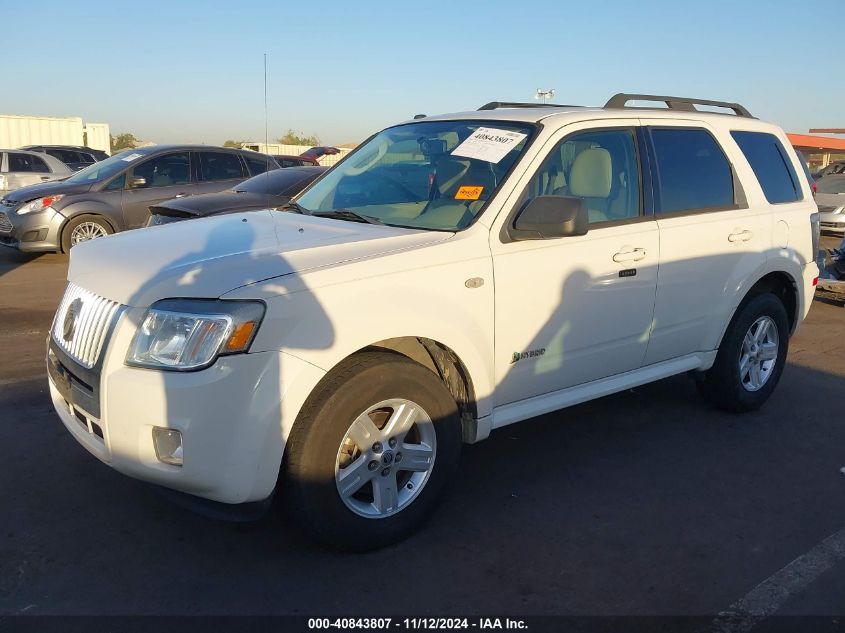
{"x":546,"y":403}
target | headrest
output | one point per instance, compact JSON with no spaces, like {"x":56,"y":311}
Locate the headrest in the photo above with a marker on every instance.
{"x":591,"y":174}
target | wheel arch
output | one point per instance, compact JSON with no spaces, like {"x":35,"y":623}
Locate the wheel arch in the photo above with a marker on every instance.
{"x":778,"y":282}
{"x":78,"y":213}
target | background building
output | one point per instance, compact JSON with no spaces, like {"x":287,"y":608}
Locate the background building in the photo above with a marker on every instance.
{"x":17,"y":131}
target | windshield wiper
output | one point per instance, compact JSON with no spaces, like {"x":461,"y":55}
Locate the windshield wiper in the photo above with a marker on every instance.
{"x":295,"y":207}
{"x":347,"y":214}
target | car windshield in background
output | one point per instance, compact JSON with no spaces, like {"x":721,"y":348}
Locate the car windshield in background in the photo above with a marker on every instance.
{"x":831,"y":184}
{"x":274,"y":182}
{"x":106,"y":168}
{"x":430,"y":175}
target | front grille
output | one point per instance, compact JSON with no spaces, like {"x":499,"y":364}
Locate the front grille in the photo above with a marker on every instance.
{"x":5,"y":225}
{"x":81,"y":324}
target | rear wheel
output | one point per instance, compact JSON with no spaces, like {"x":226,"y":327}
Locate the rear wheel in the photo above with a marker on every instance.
{"x":82,"y":229}
{"x":372,"y":451}
{"x":751,"y":357}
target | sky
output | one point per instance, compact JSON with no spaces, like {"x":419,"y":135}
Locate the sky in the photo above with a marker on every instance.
{"x":181,"y":71}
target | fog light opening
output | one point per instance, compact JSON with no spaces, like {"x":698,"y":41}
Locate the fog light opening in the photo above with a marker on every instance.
{"x":168,"y":445}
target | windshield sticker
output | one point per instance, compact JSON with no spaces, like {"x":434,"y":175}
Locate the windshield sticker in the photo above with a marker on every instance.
{"x":468,"y":193}
{"x":488,"y":144}
{"x":131,"y":157}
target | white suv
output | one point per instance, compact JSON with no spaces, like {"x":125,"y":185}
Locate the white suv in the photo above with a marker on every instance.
{"x":452,"y":275}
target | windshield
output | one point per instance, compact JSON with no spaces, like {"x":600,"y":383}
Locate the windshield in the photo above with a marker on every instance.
{"x":430,"y":175}
{"x":831,"y":184}
{"x":106,"y":168}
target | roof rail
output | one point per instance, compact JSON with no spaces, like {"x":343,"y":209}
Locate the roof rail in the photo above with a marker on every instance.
{"x":495,"y":105}
{"x":675,"y":103}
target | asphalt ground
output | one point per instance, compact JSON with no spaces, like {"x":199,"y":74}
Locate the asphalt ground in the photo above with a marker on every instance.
{"x":648,"y":502}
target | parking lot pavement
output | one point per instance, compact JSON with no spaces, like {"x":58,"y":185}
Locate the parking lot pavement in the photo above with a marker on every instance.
{"x":646,"y":502}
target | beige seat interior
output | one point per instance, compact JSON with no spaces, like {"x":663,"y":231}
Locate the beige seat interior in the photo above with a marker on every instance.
{"x":591,"y":178}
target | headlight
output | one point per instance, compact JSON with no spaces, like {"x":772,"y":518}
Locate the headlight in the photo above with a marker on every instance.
{"x":39,"y":204}
{"x":189,"y":334}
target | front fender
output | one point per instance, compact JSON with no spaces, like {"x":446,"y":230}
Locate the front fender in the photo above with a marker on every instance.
{"x":93,"y":207}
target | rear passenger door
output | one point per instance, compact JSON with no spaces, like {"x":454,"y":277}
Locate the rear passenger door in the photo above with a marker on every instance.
{"x":25,"y":170}
{"x":711,"y":239}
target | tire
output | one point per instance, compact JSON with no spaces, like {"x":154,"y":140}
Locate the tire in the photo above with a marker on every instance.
{"x":93,"y":223}
{"x":320,"y":452}
{"x":730,"y":385}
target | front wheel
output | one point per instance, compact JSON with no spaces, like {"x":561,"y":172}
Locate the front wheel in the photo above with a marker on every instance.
{"x":751,"y":357}
{"x":372,"y":451}
{"x":82,"y":229}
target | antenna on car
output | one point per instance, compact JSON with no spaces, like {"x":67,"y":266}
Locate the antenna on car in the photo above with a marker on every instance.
{"x":266,"y":132}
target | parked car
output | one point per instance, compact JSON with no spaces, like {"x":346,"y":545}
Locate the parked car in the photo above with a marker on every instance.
{"x":20,"y":168}
{"x":830,"y":197}
{"x":285,"y":161}
{"x":75,"y":157}
{"x":453,"y":275}
{"x":272,"y":189}
{"x":806,"y":171}
{"x":319,"y":151}
{"x":835,"y":168}
{"x":832,"y":266}
{"x":114,"y":195}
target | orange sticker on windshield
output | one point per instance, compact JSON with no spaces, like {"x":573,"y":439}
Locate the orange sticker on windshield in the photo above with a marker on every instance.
{"x":468,"y":193}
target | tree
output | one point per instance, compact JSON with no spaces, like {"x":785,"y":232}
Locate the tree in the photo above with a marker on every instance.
{"x":297,"y":138}
{"x":126,"y":140}
{"x":231,"y":143}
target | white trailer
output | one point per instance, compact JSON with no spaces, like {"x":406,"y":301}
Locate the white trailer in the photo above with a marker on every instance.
{"x":17,"y":131}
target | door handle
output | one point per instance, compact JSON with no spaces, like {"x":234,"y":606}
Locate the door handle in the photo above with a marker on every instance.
{"x":45,"y":178}
{"x":629,"y":256}
{"x":740,"y":236}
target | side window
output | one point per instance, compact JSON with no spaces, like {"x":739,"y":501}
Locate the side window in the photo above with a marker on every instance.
{"x":257,"y":164}
{"x":164,"y":171}
{"x":116,"y":184}
{"x":220,"y":166}
{"x":693,"y":172}
{"x":600,"y":167}
{"x":21,"y":162}
{"x":39,"y":165}
{"x":771,"y":165}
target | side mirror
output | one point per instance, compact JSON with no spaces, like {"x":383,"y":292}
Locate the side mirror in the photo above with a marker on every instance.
{"x":138,"y":182}
{"x":547,"y":217}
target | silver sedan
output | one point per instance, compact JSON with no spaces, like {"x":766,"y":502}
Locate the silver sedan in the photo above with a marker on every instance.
{"x":830,"y":197}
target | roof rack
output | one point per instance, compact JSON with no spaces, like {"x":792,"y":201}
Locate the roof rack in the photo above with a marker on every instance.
{"x":675,"y":103}
{"x":495,"y":105}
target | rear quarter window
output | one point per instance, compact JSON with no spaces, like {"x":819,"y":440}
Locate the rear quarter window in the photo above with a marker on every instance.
{"x":693,"y":171}
{"x":771,"y":165}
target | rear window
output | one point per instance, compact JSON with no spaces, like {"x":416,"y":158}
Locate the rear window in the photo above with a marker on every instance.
{"x":220,"y":166}
{"x":769,"y":161}
{"x":694,"y":173}
{"x":259,"y":164}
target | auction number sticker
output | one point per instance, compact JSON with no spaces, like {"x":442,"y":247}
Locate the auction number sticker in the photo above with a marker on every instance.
{"x":468,"y":193}
{"x":131,"y":157}
{"x":488,"y":144}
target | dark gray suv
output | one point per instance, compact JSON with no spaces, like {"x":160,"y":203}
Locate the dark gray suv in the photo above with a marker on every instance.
{"x":114,"y":194}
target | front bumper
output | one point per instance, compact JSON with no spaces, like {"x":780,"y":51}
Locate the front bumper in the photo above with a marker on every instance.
{"x":31,"y":232}
{"x":231,"y":416}
{"x":832,"y":222}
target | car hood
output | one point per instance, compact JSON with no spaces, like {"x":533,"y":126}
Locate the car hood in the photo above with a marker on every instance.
{"x":25,"y":194}
{"x":210,"y":203}
{"x":211,"y":256}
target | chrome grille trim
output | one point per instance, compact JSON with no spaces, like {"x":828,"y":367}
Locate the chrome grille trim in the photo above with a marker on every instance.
{"x":5,"y":224}
{"x":92,"y":323}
